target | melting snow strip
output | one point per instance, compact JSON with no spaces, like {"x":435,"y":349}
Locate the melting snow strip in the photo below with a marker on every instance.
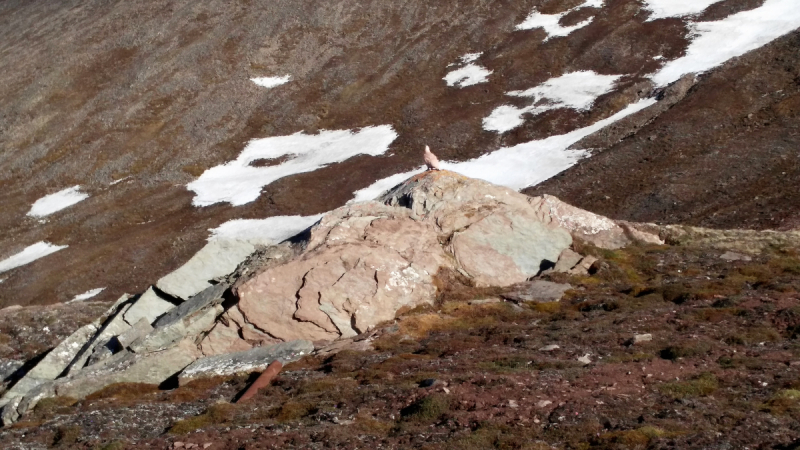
{"x":468,"y":75}
{"x":239,"y":182}
{"x":29,"y":255}
{"x":735,"y":35}
{"x":56,"y":202}
{"x":271,"y":82}
{"x":271,"y":230}
{"x":661,"y":9}
{"x":577,"y":90}
{"x":520,"y":166}
{"x":550,"y":22}
{"x":87,"y":295}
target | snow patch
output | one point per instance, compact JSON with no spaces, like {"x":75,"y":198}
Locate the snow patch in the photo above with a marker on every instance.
{"x":56,"y":202}
{"x":271,"y":82}
{"x":87,"y":295}
{"x":238,"y":182}
{"x":470,"y":57}
{"x":735,"y":35}
{"x":119,"y":181}
{"x":229,"y":245}
{"x":377,"y":188}
{"x":550,"y":22}
{"x":271,"y":230}
{"x":468,"y":75}
{"x":29,"y":255}
{"x":661,"y":9}
{"x":519,"y":166}
{"x":577,"y":90}
{"x":532,"y":162}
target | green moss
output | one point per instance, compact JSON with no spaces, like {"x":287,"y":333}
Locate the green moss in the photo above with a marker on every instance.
{"x":67,"y":435}
{"x":427,"y":409}
{"x":218,"y":413}
{"x":629,"y":439}
{"x":703,"y":385}
{"x":295,"y":410}
{"x":783,"y":402}
{"x":115,"y":445}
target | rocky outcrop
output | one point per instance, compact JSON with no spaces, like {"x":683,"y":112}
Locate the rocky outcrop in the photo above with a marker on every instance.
{"x":354,"y":269}
{"x":252,"y":360}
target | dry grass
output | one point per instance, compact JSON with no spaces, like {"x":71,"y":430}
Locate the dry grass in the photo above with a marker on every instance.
{"x":123,"y":392}
{"x":703,"y":385}
{"x":216,"y":414}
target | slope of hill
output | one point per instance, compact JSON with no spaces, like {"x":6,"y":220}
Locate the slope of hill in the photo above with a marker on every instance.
{"x":129,"y":103}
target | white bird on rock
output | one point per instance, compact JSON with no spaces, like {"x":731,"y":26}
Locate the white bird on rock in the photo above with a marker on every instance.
{"x":431,"y":160}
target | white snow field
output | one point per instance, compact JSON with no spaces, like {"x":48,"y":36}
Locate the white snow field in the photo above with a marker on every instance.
{"x":87,"y":295}
{"x":550,"y":22}
{"x":228,"y":245}
{"x":716,"y":42}
{"x":661,"y":9}
{"x":468,"y":75}
{"x":56,"y":202}
{"x":271,"y":82}
{"x":29,"y":255}
{"x":377,"y":188}
{"x":576,"y":90}
{"x":238,"y":183}
{"x":519,"y":166}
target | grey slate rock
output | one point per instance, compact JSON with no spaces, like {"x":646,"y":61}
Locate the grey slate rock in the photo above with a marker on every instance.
{"x":164,"y":337}
{"x":255,"y":359}
{"x":208,"y":297}
{"x":8,"y":412}
{"x":8,"y":367}
{"x":567,"y":260}
{"x":139,"y":329}
{"x":149,"y":305}
{"x":539,"y":291}
{"x":126,"y":367}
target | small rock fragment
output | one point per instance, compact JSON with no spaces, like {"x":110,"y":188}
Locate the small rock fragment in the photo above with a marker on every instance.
{"x":642,"y":338}
{"x":585,"y":359}
{"x":484,"y":301}
{"x":513,"y":404}
{"x":139,"y":329}
{"x":733,"y":256}
{"x":149,"y":305}
{"x":582,"y":268}
{"x":549,"y":348}
{"x":543,"y":403}
{"x":567,"y":260}
{"x":430,"y":382}
{"x":539,"y":291}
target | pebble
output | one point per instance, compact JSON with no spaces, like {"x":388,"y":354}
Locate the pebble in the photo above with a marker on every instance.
{"x":549,"y":348}
{"x":585,"y":359}
{"x":543,"y":403}
{"x":513,"y":404}
{"x":642,"y":338}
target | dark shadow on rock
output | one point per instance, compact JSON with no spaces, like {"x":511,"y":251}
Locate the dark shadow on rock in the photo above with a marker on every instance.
{"x":546,"y":265}
{"x":22,"y":371}
{"x":794,"y":445}
{"x":170,"y":383}
{"x":250,"y":380}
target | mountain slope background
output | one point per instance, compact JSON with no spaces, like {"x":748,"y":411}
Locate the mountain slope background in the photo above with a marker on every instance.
{"x":134,"y":100}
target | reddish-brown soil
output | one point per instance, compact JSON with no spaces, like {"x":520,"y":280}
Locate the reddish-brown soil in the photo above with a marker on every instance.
{"x":726,"y":156}
{"x":160,"y":91}
{"x":721,"y":371}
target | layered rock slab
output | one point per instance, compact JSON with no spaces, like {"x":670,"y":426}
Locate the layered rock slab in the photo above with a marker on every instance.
{"x":364,"y":262}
